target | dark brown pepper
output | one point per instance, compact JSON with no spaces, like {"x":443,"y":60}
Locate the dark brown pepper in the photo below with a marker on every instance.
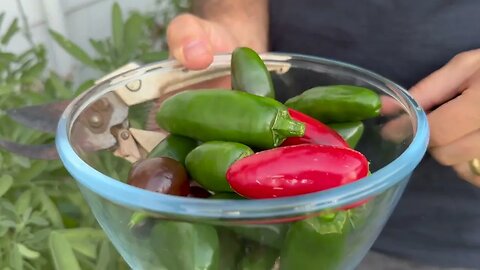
{"x":199,"y":192}
{"x":160,"y":174}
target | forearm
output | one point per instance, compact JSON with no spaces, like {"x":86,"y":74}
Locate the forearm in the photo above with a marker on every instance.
{"x":247,"y":20}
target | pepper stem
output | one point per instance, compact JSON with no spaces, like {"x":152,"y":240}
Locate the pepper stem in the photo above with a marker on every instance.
{"x":137,"y":218}
{"x":285,"y":127}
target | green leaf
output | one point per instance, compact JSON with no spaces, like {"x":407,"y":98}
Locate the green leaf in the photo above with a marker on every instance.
{"x":26,"y":252}
{"x":71,"y":214}
{"x":84,"y":86}
{"x":73,"y":49}
{"x":62,"y":253}
{"x":153,"y":56}
{"x":111,"y":57}
{"x":38,"y":220}
{"x":78,"y":200}
{"x":33,"y":72}
{"x":2,"y":16}
{"x":84,"y":240}
{"x":60,"y":90}
{"x":6,"y":182}
{"x":23,"y":67}
{"x":133,"y":33}
{"x":3,"y":230}
{"x":117,"y":27}
{"x":55,"y":165}
{"x":40,"y":236}
{"x":8,"y":224}
{"x":104,"y":257}
{"x":12,"y":30}
{"x":22,"y":161}
{"x":40,"y":51}
{"x":35,"y":170}
{"x":16,"y":260}
{"x":51,"y":209}
{"x":104,"y":65}
{"x":5,"y":90}
{"x":7,"y":57}
{"x":23,"y":202}
{"x":26,"y":215}
{"x":9,"y":207}
{"x":99,"y":46}
{"x":26,"y":54}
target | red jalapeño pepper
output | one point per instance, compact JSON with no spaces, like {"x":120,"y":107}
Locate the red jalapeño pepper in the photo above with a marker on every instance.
{"x":316,"y":132}
{"x":295,"y":170}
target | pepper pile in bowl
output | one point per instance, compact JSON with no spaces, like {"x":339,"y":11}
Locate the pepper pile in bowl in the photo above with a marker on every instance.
{"x":242,"y":143}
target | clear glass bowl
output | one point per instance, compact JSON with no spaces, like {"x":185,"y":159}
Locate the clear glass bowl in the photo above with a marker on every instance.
{"x":313,"y":231}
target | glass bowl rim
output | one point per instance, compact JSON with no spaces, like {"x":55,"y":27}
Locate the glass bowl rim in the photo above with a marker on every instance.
{"x":140,"y":199}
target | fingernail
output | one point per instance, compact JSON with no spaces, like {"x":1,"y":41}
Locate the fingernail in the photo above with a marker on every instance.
{"x":195,"y":49}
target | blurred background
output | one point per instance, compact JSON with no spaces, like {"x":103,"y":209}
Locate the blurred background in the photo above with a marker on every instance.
{"x":77,"y":20}
{"x":53,"y":50}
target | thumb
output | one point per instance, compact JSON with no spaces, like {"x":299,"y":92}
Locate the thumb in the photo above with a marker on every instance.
{"x":446,"y":82}
{"x":188,"y":41}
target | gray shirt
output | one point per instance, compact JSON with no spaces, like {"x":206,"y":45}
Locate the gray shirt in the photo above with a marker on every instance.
{"x":437,"y":221}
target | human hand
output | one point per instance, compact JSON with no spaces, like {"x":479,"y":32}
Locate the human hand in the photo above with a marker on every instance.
{"x":451,"y":96}
{"x":217,"y":27}
{"x":193,"y":41}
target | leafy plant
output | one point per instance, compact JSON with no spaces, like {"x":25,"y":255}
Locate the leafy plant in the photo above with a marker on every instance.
{"x":44,"y":221}
{"x":39,"y":202}
{"x":132,"y":39}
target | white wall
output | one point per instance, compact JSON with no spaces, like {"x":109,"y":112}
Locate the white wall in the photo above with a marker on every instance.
{"x":76,"y":19}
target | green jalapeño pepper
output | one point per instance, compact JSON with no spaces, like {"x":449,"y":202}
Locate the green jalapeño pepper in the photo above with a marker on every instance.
{"x":337,"y":103}
{"x":175,"y":147}
{"x":317,"y":243}
{"x":258,"y":257}
{"x":209,"y":162}
{"x":269,"y":235}
{"x":226,"y":196}
{"x":350,"y":131}
{"x":228,"y":115}
{"x":186,"y":246}
{"x":231,"y":248}
{"x":250,"y":74}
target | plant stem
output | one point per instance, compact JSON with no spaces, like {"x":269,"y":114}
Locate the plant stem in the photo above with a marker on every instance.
{"x":27,"y":32}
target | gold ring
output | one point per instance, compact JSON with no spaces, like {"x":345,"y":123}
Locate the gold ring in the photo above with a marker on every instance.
{"x":475,"y":166}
